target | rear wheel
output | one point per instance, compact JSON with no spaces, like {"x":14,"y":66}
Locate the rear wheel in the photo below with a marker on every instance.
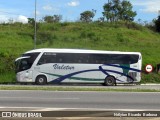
{"x":41,"y":80}
{"x":110,"y":81}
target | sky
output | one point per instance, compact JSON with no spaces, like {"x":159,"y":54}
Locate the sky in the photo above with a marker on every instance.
{"x":20,"y":10}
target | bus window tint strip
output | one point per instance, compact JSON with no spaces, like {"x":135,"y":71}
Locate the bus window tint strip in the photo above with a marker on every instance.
{"x":85,"y":58}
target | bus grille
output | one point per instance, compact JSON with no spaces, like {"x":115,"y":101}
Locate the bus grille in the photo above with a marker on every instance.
{"x":133,"y":75}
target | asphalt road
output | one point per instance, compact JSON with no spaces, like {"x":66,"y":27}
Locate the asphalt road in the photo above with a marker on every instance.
{"x":88,"y":100}
{"x":89,"y":105}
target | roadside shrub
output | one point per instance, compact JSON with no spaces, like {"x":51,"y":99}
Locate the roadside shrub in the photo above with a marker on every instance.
{"x":150,"y":78}
{"x":91,"y":35}
{"x":64,"y":24}
{"x":85,"y":34}
{"x":96,"y":39}
{"x":133,"y":25}
{"x":122,"y":39}
{"x":77,"y":28}
{"x":43,"y":37}
{"x":7,"y":63}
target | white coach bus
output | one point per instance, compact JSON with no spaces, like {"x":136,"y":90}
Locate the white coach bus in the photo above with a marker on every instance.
{"x":43,"y":66}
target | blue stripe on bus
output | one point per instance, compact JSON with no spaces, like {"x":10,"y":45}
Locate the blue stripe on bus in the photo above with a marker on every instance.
{"x":60,"y":79}
{"x":102,"y":70}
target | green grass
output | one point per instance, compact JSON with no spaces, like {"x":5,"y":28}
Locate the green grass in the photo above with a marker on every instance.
{"x":17,"y":38}
{"x":8,"y":77}
{"x":150,"y":78}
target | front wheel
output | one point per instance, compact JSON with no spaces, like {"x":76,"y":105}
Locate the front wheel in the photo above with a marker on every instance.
{"x":41,"y":80}
{"x":110,"y":81}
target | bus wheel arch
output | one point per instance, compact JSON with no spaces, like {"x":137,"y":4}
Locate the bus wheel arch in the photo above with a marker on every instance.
{"x":41,"y":80}
{"x":110,"y":81}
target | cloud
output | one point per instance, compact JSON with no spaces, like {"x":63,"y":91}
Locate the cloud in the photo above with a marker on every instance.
{"x":7,"y":14}
{"x":11,"y":16}
{"x":22,"y":19}
{"x":148,"y":6}
{"x":73,"y":3}
{"x":37,"y":13}
{"x":50,"y":8}
{"x":3,"y":19}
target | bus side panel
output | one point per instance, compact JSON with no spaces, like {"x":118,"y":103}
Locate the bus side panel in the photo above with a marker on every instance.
{"x":52,"y":71}
{"x":117,"y":72}
{"x":136,"y":74}
{"x":59,"y":70}
{"x":42,"y":70}
{"x":87,"y":73}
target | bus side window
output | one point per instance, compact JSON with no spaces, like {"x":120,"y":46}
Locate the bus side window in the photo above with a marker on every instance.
{"x":79,"y":61}
{"x":60,"y":60}
{"x":47,"y":58}
{"x":41,"y":61}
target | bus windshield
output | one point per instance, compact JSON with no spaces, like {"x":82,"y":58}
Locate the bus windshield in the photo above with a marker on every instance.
{"x":25,"y":62}
{"x":22,"y":64}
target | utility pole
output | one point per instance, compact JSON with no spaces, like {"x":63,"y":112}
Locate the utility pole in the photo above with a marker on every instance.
{"x":35,"y":25}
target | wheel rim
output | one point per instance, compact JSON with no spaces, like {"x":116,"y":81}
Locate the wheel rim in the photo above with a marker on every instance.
{"x":110,"y":81}
{"x":41,"y":80}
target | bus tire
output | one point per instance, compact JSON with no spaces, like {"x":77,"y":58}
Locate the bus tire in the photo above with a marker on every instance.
{"x":110,"y":81}
{"x":41,"y":80}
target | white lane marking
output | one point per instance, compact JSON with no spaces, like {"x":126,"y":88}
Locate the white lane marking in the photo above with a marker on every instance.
{"x":52,"y":109}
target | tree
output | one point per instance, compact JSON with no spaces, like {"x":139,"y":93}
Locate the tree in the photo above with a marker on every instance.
{"x":87,"y":16}
{"x":57,"y":18}
{"x":116,"y":10}
{"x":157,"y":24}
{"x":126,"y":12}
{"x":52,"y":19}
{"x":11,"y":21}
{"x":31,"y":21}
{"x":108,"y":11}
{"x":101,"y":19}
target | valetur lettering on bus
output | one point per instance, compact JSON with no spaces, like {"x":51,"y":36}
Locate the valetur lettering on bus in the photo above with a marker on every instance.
{"x":63,"y":67}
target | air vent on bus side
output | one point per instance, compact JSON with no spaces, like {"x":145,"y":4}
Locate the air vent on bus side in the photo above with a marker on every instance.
{"x":133,"y":75}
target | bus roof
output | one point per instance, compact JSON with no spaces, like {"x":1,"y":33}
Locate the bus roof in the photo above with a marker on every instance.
{"x":80,"y":51}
